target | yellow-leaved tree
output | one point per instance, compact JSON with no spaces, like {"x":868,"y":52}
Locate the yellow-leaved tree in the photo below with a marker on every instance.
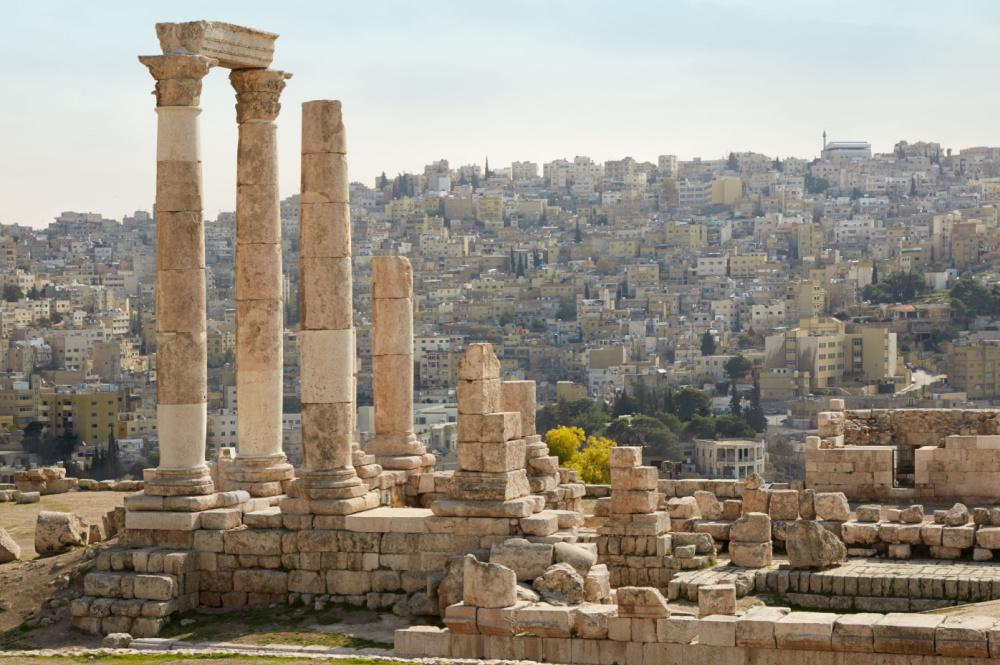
{"x":594,"y":461}
{"x":563,"y":442}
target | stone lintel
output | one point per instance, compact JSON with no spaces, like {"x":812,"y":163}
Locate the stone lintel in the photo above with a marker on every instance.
{"x":234,"y":46}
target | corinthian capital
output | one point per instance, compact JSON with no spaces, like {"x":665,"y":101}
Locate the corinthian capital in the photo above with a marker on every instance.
{"x":257,"y":93}
{"x":178,"y":77}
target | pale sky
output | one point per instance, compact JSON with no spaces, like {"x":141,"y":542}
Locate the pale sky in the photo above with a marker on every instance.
{"x":534,"y":80}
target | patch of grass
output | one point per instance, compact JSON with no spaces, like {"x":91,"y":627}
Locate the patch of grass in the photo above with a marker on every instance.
{"x":252,"y":623}
{"x":311,"y":638}
{"x":13,"y":638}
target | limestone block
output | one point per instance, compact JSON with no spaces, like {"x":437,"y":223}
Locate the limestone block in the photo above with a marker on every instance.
{"x":543,"y":620}
{"x":325,"y":293}
{"x":642,"y":602}
{"x":750,"y":555}
{"x":906,"y":633}
{"x":959,"y":537}
{"x":626,"y":456}
{"x":597,"y":583}
{"x":957,"y":515}
{"x":488,"y":584}
{"x":221,"y":518}
{"x":478,"y":396}
{"x":784,"y":505}
{"x":475,"y":486}
{"x":461,"y":619}
{"x":755,"y":501}
{"x":831,"y":423}
{"x":832,"y":506}
{"x":323,"y":127}
{"x":717,"y":630}
{"x":590,"y":620}
{"x":527,"y":560}
{"x":180,"y":240}
{"x":751,"y":528}
{"x":898,"y":551}
{"x":541,"y":524}
{"x":178,"y":186}
{"x":856,"y":533}
{"x":392,"y":385}
{"x":163,"y":521}
{"x":177,"y":135}
{"x":326,"y":362}
{"x":683,"y":508}
{"x":708,"y":505}
{"x":495,"y":427}
{"x":479,"y":363}
{"x":325,"y":230}
{"x":931,"y":534}
{"x":324,"y":178}
{"x":520,"y":396}
{"x":155,"y":587}
{"x":807,"y":504}
{"x":988,"y":537}
{"x":258,"y":271}
{"x":57,"y":532}
{"x":732,"y":509}
{"x":716,"y":599}
{"x":258,"y":542}
{"x":422,"y":641}
{"x":9,"y":549}
{"x":560,"y":584}
{"x":756,"y":628}
{"x":327,"y":430}
{"x":633,"y":501}
{"x":580,"y":557}
{"x":964,"y":636}
{"x":912,"y":515}
{"x":809,"y":545}
{"x":677,"y":629}
{"x":634,"y":478}
{"x":182,"y":368}
{"x":261,"y":581}
{"x":392,"y":326}
{"x":855,"y":632}
{"x":869,"y":513}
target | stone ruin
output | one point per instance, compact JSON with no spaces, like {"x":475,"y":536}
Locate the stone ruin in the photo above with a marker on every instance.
{"x":498,"y":547}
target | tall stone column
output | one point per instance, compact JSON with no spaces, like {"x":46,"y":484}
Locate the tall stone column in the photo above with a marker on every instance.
{"x":395,"y":446}
{"x":181,"y":340}
{"x":327,"y":350}
{"x":261,"y":467}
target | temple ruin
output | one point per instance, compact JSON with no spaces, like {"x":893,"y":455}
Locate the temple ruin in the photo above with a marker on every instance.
{"x":499,"y":548}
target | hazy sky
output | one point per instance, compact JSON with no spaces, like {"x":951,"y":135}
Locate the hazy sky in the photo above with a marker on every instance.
{"x":538,"y":80}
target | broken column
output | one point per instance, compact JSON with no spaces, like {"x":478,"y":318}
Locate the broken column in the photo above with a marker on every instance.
{"x":543,"y":469}
{"x":635,"y":530}
{"x":394,"y":446}
{"x":327,"y":354}
{"x":260,"y":467}
{"x":181,"y":340}
{"x":490,"y":480}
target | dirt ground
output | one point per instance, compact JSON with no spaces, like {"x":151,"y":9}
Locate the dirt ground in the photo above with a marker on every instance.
{"x":18,"y":519}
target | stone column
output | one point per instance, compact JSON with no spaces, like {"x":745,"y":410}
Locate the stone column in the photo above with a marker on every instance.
{"x":543,"y":469}
{"x":261,"y":466}
{"x":327,"y":350}
{"x":395,"y":446}
{"x":181,"y":341}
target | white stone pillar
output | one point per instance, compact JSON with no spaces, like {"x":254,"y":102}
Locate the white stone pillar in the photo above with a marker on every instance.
{"x":395,"y":446}
{"x":181,"y":340}
{"x":261,"y":467}
{"x":327,"y":351}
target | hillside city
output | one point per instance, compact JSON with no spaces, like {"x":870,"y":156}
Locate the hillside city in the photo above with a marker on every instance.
{"x":688,"y":306}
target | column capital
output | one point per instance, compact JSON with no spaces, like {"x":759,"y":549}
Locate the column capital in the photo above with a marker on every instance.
{"x":178,"y":77}
{"x":257,"y":93}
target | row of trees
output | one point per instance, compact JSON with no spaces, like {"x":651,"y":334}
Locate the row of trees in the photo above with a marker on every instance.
{"x":897,"y":287}
{"x":659,"y":421}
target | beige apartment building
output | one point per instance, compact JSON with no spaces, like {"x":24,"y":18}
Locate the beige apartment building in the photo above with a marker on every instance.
{"x":975,"y":368}
{"x":832,"y":354}
{"x":729,"y":458}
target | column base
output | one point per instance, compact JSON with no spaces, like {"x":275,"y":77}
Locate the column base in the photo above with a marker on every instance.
{"x":261,"y":476}
{"x":400,"y":451}
{"x":178,"y":482}
{"x":328,"y":484}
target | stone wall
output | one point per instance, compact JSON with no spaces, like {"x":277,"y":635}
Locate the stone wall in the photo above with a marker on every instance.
{"x":589,"y":635}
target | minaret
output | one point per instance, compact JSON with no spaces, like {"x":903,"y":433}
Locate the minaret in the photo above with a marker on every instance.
{"x":824,"y":139}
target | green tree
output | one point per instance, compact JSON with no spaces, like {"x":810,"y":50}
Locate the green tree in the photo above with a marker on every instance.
{"x":897,"y":287}
{"x":691,"y":402}
{"x":567,"y":309}
{"x":735,"y":407}
{"x":733,"y":427}
{"x":586,"y":414}
{"x":707,"y":343}
{"x":755,"y":414}
{"x":506,"y":317}
{"x":624,"y":405}
{"x":699,"y":427}
{"x":646,"y":432}
{"x":737,"y":367}
{"x":732,"y":163}
{"x":12,"y":293}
